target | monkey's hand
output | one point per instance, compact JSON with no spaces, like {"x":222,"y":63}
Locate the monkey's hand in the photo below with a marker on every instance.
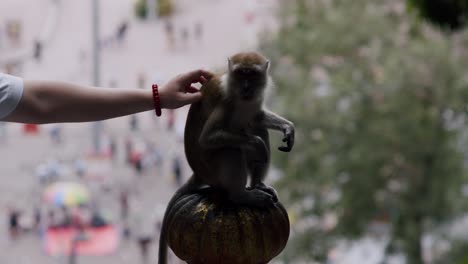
{"x":288,"y":131}
{"x":257,"y":146}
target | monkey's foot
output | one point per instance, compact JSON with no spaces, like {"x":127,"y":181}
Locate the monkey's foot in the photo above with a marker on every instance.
{"x":254,"y":197}
{"x":268,"y":189}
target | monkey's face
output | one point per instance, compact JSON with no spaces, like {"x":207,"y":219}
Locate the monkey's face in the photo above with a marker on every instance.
{"x":248,"y":82}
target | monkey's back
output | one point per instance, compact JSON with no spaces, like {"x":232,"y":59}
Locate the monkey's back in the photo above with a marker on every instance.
{"x":196,"y":119}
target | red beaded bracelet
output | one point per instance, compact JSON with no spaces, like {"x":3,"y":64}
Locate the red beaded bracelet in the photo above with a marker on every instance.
{"x":156,"y":100}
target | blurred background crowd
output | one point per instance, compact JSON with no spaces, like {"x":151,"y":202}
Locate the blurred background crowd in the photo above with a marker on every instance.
{"x":377,"y":90}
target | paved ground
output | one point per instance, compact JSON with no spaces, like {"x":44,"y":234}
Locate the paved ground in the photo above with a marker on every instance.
{"x":66,"y":25}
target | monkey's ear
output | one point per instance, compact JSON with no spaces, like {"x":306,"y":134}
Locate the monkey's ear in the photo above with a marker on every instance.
{"x":230,"y":66}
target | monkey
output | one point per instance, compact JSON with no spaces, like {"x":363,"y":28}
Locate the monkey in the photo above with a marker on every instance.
{"x":226,"y":137}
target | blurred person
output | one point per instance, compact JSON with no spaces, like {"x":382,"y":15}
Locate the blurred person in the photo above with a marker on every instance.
{"x":48,"y":172}
{"x":76,"y":218}
{"x":113,"y":148}
{"x":51,"y":221}
{"x":177,"y":170}
{"x":137,"y":159}
{"x":198,"y":33}
{"x":56,"y":134}
{"x":65,"y":218}
{"x":14,"y":222}
{"x":134,"y":123}
{"x":128,"y":150}
{"x":158,"y":159}
{"x":121,"y":33}
{"x":126,"y":233}
{"x":80,"y":236}
{"x":139,"y":156}
{"x":154,"y":157}
{"x":38,"y":48}
{"x":117,"y":38}
{"x":40,"y":102}
{"x":169,"y":29}
{"x":97,"y":220}
{"x":54,"y":170}
{"x":37,"y":218}
{"x":42,"y":174}
{"x":184,"y":35}
{"x":124,"y":204}
{"x":80,"y":167}
{"x":144,"y":233}
{"x":170,"y":120}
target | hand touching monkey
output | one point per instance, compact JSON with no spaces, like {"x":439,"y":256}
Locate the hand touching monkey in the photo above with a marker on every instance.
{"x":226,"y":136}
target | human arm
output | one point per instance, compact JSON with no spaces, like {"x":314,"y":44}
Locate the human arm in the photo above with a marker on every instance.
{"x":55,"y":102}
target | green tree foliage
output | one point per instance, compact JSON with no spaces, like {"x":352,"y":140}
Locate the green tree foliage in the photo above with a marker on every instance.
{"x":164,"y":8}
{"x":379,"y":104}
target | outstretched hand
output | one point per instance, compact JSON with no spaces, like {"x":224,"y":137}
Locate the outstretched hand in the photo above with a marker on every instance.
{"x":288,"y":138}
{"x":179,"y":90}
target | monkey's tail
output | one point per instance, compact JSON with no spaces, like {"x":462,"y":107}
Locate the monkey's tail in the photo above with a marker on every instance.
{"x":185,"y":189}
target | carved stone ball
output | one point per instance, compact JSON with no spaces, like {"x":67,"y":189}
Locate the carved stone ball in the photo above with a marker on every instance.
{"x":206,"y":228}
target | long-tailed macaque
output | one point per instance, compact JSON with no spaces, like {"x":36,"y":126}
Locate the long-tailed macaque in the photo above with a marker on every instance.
{"x":226,"y":137}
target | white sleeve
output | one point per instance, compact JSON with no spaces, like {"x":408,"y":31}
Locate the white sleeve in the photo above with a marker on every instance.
{"x":11,"y":91}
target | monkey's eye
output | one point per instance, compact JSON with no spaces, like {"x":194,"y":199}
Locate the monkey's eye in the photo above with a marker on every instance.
{"x":246,"y":72}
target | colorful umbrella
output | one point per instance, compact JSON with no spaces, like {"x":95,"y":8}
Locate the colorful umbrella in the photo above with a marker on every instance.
{"x":66,"y":193}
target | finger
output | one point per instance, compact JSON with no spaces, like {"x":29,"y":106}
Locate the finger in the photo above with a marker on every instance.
{"x":194,"y":76}
{"x":191,"y":89}
{"x":284,"y":149}
{"x":191,"y":98}
{"x":206,"y":74}
{"x":203,"y":80}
